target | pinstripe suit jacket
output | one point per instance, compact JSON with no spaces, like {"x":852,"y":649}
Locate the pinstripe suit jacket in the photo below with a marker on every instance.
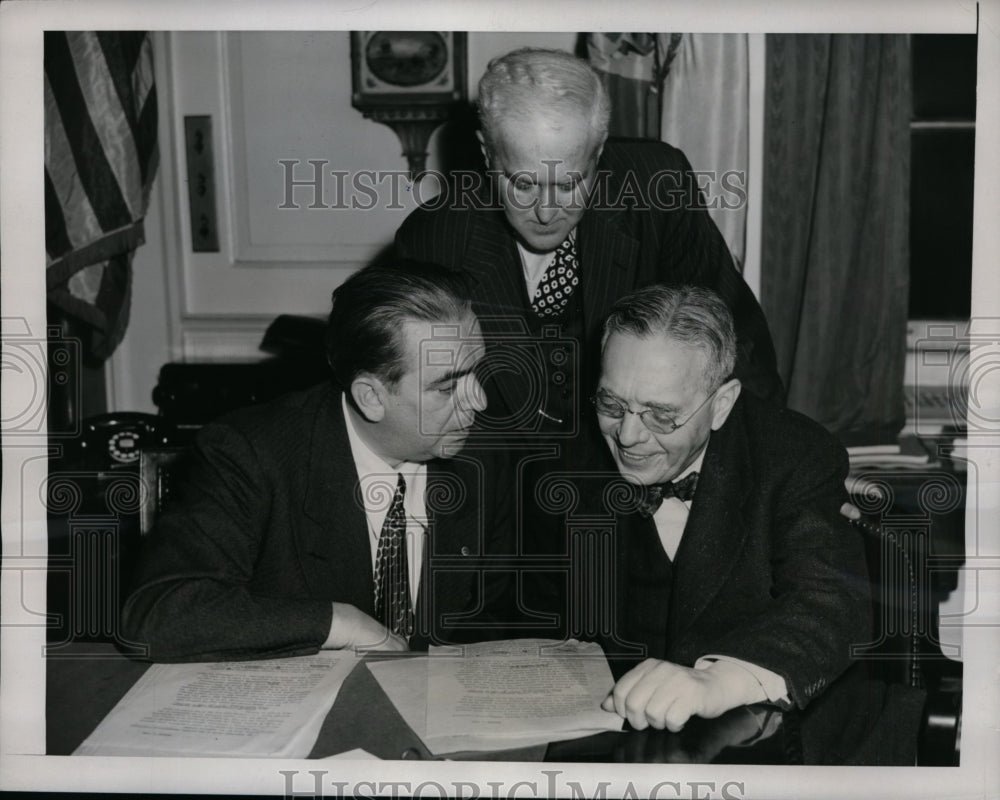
{"x":622,"y":246}
{"x":269,"y":530}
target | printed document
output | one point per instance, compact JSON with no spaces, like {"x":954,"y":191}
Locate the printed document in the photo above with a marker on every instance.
{"x":500,"y":695}
{"x":244,"y":708}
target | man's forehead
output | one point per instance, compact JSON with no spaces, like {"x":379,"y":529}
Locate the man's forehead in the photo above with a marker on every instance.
{"x":538,"y":144}
{"x":655,"y":361}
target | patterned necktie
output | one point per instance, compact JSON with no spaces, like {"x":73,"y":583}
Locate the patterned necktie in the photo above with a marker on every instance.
{"x":392,"y":586}
{"x":557,"y":284}
{"x":656,"y":494}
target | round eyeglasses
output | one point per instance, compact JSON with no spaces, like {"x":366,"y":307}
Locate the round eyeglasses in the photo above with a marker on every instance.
{"x":655,"y":420}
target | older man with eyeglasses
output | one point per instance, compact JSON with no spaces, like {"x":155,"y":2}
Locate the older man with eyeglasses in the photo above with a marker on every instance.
{"x":737,"y":573}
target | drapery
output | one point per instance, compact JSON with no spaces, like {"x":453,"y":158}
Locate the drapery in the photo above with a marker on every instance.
{"x":100,"y":160}
{"x":835,"y":255}
{"x":706,"y":114}
{"x":691,"y":90}
{"x":632,"y":67}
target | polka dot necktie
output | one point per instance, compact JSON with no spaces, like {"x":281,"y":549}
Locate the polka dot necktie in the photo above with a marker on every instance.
{"x":392,"y":586}
{"x":557,"y":284}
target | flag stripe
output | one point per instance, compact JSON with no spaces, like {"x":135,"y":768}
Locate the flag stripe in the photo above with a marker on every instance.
{"x":56,"y":238}
{"x":142,"y":73}
{"x":130,"y":44}
{"x":124,"y":239}
{"x":100,"y":160}
{"x":144,"y":90}
{"x":116,"y":285}
{"x":80,"y":223}
{"x":130,"y":63}
{"x":120,"y":70}
{"x":91,"y":163}
{"x":149,"y":154}
{"x":86,"y":283}
{"x":107,"y":117}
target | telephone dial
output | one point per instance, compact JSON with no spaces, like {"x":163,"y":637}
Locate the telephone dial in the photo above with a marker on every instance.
{"x":115,"y":441}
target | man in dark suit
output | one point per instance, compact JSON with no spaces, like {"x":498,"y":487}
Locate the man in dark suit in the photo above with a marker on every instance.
{"x":347,"y":515}
{"x":737,"y":575}
{"x":563,"y":224}
{"x":621,"y":214}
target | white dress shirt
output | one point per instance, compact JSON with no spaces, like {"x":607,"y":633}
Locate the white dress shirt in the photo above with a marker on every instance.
{"x":534,"y":265}
{"x":378,"y":484}
{"x":670,"y":519}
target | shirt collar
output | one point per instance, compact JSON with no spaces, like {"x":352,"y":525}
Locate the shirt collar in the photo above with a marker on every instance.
{"x":366,"y":460}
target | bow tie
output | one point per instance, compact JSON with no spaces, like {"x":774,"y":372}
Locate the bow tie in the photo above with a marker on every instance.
{"x":657,"y":493}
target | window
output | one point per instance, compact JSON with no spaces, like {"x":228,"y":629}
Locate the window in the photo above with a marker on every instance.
{"x":942,"y":136}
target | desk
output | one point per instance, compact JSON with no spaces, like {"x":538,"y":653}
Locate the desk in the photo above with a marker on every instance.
{"x":84,"y":684}
{"x":82,"y":689}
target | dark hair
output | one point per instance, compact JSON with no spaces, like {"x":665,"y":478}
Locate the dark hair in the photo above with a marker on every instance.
{"x":691,"y":315}
{"x":364,"y":330}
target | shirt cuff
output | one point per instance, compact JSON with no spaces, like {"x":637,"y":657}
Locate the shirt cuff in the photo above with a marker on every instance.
{"x":771,"y":683}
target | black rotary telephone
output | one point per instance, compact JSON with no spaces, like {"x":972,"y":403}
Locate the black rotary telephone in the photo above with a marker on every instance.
{"x":114,"y":441}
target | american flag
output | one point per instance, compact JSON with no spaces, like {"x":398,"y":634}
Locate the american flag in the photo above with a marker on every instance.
{"x":100,"y":160}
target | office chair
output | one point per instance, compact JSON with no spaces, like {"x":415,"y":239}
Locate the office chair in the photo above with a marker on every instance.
{"x":159,"y":470}
{"x":897,"y":655}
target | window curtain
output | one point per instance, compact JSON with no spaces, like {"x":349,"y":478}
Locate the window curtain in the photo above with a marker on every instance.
{"x":100,"y":160}
{"x":691,"y":90}
{"x":706,"y":113}
{"x":835,"y":255}
{"x":632,"y":67}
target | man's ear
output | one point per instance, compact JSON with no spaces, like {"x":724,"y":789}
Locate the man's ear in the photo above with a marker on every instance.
{"x":369,"y":395}
{"x":723,"y":402}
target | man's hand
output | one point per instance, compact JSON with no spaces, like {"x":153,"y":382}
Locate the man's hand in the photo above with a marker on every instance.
{"x":353,"y":628}
{"x":664,"y":695}
{"x":738,"y":727}
{"x":850,"y":511}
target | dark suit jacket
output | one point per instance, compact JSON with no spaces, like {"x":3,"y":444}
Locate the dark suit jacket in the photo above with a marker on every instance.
{"x":767,"y":570}
{"x":269,"y":531}
{"x":660,"y":237}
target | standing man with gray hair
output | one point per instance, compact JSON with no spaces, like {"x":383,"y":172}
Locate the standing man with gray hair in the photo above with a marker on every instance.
{"x":564,"y":223}
{"x":737,"y":574}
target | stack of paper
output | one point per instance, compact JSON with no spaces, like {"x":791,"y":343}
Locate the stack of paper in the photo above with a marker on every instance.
{"x":245,"y":708}
{"x":500,"y":695}
{"x":907,"y":453}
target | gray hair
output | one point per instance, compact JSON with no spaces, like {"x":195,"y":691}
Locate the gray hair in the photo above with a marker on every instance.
{"x":532,"y":82}
{"x":691,"y":315}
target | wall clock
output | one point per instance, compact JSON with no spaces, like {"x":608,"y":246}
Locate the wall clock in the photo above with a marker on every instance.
{"x":411,"y":81}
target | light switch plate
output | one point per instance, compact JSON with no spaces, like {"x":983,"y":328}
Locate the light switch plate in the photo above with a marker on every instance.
{"x":201,"y":184}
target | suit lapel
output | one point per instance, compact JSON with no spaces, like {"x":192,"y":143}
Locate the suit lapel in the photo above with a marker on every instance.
{"x":493,"y":259}
{"x":501,"y":300}
{"x":608,"y":262}
{"x":444,"y":518}
{"x":716,"y":527}
{"x":334,"y":543}
{"x":452,"y":501}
